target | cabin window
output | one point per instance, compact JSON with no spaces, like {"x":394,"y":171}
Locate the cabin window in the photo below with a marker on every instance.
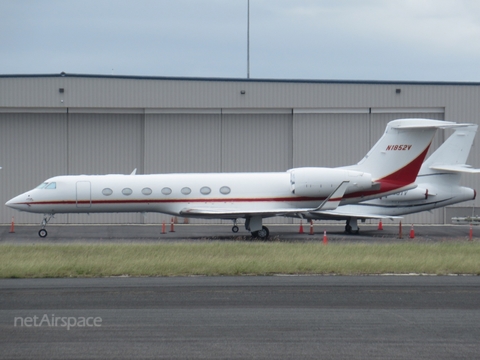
{"x":107,"y":191}
{"x":146,"y":191}
{"x":127,"y":191}
{"x":186,"y":190}
{"x":225,"y":190}
{"x":166,"y":191}
{"x":51,"y":186}
{"x":205,"y":190}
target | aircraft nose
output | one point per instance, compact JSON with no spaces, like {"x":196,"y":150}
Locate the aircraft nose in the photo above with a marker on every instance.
{"x":10,"y":203}
{"x":16,"y":203}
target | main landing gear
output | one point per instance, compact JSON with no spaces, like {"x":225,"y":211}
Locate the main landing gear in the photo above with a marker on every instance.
{"x":351,"y":226}
{"x":254,"y":225}
{"x":42,"y":232}
{"x":261,"y":234}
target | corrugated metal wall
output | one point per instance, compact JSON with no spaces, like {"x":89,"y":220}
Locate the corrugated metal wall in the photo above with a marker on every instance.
{"x":330,"y":139}
{"x":182,"y":143}
{"x":104,"y":144}
{"x":256,"y":142}
{"x":103,"y":125}
{"x":32,"y":148}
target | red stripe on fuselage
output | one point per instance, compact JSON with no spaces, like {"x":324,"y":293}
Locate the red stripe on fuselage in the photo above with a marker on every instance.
{"x":397,"y":180}
{"x":163,"y":201}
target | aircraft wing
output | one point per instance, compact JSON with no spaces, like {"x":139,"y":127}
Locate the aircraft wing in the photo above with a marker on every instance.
{"x":225,"y":213}
{"x":330,"y":203}
{"x":456,"y":168}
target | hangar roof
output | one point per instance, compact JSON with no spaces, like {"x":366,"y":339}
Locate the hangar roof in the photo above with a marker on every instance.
{"x":179,"y":78}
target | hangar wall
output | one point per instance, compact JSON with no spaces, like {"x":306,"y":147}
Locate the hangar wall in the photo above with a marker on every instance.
{"x":99,"y":125}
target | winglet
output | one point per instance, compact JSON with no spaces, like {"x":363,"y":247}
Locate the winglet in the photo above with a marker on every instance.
{"x":333,"y":200}
{"x":134,"y":172}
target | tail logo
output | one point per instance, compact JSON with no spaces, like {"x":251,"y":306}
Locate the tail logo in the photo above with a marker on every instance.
{"x":398,"y":147}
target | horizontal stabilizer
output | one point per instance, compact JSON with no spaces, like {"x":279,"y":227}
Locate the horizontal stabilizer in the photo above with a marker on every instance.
{"x":456,"y":168}
{"x":425,"y":124}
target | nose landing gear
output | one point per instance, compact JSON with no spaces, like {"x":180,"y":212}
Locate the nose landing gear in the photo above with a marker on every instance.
{"x":235,"y":227}
{"x":42,"y":232}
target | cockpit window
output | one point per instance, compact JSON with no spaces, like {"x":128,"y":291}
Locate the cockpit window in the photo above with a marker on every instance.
{"x":52,"y":185}
{"x":42,"y":185}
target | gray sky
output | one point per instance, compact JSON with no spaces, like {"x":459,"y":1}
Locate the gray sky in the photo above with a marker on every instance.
{"x":421,"y":40}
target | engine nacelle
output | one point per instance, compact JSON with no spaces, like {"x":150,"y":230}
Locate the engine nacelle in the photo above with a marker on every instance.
{"x":410,"y":195}
{"x":321,"y":182}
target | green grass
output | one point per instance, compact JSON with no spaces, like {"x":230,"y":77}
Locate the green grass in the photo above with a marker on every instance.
{"x":236,"y":258}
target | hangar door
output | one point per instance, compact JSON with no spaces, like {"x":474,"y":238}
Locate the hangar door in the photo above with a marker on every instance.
{"x":103,"y":143}
{"x":256,"y":140}
{"x":33,"y":148}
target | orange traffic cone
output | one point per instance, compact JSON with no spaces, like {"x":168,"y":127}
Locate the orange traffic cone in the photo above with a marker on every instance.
{"x":163,"y":228}
{"x":380,"y":225}
{"x":412,"y":233}
{"x":325,"y":239}
{"x":172,"y":228}
{"x":311,"y":227}
{"x":12,"y":227}
{"x":300,"y":230}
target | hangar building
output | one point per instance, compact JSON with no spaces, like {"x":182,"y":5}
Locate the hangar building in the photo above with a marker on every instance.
{"x":60,"y":124}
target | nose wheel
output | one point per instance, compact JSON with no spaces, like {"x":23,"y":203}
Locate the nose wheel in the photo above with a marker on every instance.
{"x":235,"y":227}
{"x":42,"y":233}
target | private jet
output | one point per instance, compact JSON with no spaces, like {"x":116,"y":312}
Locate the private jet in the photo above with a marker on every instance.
{"x":390,"y":167}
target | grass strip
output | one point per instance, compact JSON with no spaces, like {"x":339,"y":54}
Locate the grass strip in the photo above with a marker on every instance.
{"x":235,"y":258}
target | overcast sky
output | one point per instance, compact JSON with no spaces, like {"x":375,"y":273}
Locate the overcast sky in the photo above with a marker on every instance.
{"x":420,"y":40}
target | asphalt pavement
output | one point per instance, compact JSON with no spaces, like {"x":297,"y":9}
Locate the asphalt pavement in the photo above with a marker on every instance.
{"x":182,"y":232}
{"x":277,"y":317}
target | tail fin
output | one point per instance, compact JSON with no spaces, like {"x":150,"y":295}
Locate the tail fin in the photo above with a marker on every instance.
{"x":452,"y":155}
{"x":395,"y":160}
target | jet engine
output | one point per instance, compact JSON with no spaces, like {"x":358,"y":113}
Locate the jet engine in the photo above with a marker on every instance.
{"x":410,"y":195}
{"x":321,"y":182}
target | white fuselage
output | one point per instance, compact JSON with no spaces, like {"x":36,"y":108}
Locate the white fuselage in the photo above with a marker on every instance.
{"x":165,"y":193}
{"x":177,"y":193}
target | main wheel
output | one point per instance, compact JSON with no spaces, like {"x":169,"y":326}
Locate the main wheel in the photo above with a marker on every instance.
{"x":261,"y":234}
{"x":235,"y":228}
{"x":42,"y":233}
